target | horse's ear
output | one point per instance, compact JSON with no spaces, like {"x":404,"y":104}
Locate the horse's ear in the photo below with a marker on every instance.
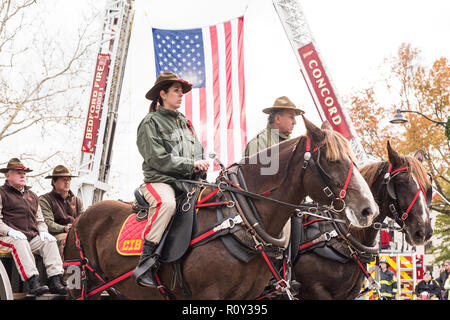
{"x":393,"y":156}
{"x":313,"y":132}
{"x":420,"y":155}
{"x":327,"y":125}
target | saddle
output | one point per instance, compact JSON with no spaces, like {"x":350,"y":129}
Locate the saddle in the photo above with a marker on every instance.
{"x":177,"y":236}
{"x":182,"y":232}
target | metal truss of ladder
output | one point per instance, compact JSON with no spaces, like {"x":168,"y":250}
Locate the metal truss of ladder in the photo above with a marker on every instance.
{"x":299,"y":34}
{"x":114,"y":41}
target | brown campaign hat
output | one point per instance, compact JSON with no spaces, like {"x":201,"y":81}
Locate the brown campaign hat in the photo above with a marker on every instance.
{"x":60,"y":171}
{"x":15,"y":164}
{"x":164,"y":78}
{"x":283,"y":103}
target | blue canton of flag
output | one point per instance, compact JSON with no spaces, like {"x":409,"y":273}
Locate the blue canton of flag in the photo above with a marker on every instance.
{"x":180,"y":52}
{"x":212,"y":59}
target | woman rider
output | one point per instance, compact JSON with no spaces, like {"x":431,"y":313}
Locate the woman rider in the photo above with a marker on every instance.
{"x":171,"y":151}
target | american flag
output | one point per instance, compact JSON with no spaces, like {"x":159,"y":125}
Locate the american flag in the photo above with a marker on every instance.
{"x":212,"y":59}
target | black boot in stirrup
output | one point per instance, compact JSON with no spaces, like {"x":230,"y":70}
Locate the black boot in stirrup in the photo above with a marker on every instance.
{"x":148,"y":263}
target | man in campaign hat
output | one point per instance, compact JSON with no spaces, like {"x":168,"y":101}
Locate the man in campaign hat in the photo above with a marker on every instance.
{"x":24,"y":232}
{"x":60,"y":206}
{"x":280,"y":124}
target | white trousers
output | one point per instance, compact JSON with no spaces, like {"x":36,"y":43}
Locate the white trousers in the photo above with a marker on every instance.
{"x":22,"y":254}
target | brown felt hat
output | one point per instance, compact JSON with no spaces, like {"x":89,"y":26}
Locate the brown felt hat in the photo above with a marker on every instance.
{"x":60,"y":171}
{"x":15,"y":164}
{"x":165,"y":78}
{"x":283,"y":103}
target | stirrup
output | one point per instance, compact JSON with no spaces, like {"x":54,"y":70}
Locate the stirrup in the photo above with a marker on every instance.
{"x":149,"y":265}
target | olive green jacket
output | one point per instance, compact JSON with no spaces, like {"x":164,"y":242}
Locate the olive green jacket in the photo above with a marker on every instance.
{"x":169,"y":146}
{"x":264,"y":139}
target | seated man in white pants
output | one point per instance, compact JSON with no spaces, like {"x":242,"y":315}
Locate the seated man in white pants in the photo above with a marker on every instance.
{"x":24,"y":232}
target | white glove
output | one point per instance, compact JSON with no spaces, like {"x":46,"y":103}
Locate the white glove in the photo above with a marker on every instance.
{"x":18,"y":235}
{"x":45,"y":236}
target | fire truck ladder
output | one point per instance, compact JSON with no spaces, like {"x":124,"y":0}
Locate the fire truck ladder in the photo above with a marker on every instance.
{"x":114,"y":40}
{"x":406,"y":275}
{"x":299,"y":34}
{"x":403,"y":264}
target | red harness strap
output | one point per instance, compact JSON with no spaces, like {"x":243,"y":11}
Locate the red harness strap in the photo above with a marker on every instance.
{"x":366,"y":274}
{"x":347,"y":181}
{"x":202,"y":203}
{"x":107,"y":285}
{"x":406,"y":213}
{"x":209,"y":196}
{"x":84,"y":264}
{"x":282,"y":282}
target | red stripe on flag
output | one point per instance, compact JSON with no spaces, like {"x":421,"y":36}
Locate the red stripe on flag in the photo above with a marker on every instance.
{"x":216,"y":90}
{"x":203,"y":120}
{"x":229,"y":93}
{"x":188,"y":105}
{"x":243,"y":121}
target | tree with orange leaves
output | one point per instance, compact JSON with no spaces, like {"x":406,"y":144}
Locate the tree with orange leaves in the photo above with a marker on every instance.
{"x":409,"y":85}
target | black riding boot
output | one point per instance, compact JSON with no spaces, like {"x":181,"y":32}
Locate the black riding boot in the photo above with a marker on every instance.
{"x":56,"y":285}
{"x":35,"y":286}
{"x":148,"y":263}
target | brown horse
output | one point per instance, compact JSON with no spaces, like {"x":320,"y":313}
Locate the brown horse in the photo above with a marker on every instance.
{"x":323,"y":278}
{"x":210,"y":270}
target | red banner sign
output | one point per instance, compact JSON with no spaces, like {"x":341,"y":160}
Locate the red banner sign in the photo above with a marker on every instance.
{"x":96,"y":103}
{"x":323,"y":90}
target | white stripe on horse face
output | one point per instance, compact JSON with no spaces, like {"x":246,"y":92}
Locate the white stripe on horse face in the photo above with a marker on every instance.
{"x":360,"y":184}
{"x":421,"y":202}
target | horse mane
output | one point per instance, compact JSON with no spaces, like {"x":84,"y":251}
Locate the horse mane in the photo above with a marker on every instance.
{"x":370,"y":171}
{"x":418,"y":170}
{"x":337,"y":146}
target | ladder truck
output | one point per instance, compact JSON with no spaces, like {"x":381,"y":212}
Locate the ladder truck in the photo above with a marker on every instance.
{"x":96,"y":152}
{"x":317,"y":80}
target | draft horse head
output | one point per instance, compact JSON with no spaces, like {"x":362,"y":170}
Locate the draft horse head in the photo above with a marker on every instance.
{"x":409,"y":187}
{"x":332,"y":167}
{"x":406,"y":192}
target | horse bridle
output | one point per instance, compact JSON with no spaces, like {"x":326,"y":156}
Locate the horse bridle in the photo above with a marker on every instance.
{"x":390,"y":187}
{"x":324,"y":178}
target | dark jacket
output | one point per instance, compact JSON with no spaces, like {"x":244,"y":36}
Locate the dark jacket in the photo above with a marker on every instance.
{"x":432,"y":287}
{"x":443,"y":276}
{"x":59,"y":212}
{"x":20,"y":211}
{"x":388,"y":283}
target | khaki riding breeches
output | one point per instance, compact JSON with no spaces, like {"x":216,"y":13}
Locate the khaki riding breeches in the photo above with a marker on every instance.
{"x":161,"y":198}
{"x":22,"y":254}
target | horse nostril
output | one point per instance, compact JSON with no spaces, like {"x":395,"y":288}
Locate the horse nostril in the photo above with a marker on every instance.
{"x":420,"y":235}
{"x":367,"y":212}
